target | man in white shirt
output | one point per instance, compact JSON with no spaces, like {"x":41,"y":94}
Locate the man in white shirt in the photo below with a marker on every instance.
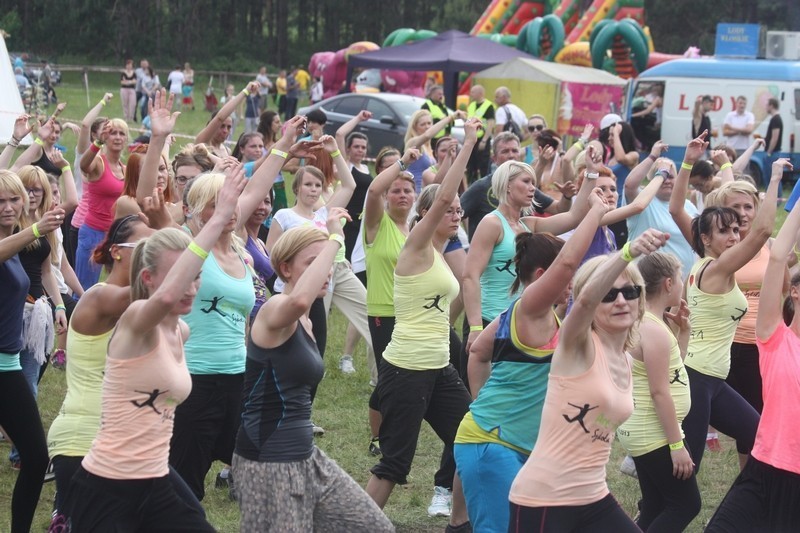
{"x":175,"y":82}
{"x":506,"y":111}
{"x":738,"y":126}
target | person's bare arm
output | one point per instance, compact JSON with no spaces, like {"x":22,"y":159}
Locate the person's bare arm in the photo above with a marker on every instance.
{"x":85,"y":137}
{"x":743,"y":161}
{"x":162,"y":123}
{"x":346,"y":128}
{"x":69,"y":193}
{"x":479,"y":362}
{"x":22,"y":127}
{"x":207,"y":133}
{"x":634,"y":179}
{"x":13,"y":244}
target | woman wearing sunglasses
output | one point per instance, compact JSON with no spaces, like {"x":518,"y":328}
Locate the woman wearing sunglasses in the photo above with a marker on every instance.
{"x":562,"y":486}
{"x":536,"y":124}
{"x":717,"y":305}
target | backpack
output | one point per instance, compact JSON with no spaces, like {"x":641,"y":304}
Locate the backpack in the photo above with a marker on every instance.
{"x":511,"y":124}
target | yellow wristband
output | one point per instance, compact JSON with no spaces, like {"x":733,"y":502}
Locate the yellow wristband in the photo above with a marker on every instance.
{"x":626,"y":252}
{"x":279,"y":153}
{"x":61,"y":307}
{"x":66,"y":168}
{"x":726,"y":165}
{"x":475,"y":328}
{"x":103,"y":102}
{"x":245,"y":92}
{"x":38,"y":141}
{"x":196,"y":250}
{"x":579,"y":144}
{"x":686,"y":166}
{"x":676,"y":446}
{"x":35,"y":230}
{"x":338,"y":238}
{"x":336,"y":153}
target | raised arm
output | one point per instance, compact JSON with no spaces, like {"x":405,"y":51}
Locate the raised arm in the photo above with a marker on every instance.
{"x":634,"y":180}
{"x":69,"y":194}
{"x":85,"y":137}
{"x":207,"y":133}
{"x":22,"y":128}
{"x":677,"y":200}
{"x":162,"y":123}
{"x":720,"y":158}
{"x":743,"y":161}
{"x":347,"y":184}
{"x":770,"y":302}
{"x":579,"y":145}
{"x":346,"y":128}
{"x":629,"y":159}
{"x":374,"y":205}
{"x":479,"y":363}
{"x":91,"y":165}
{"x":636,"y":207}
{"x":13,"y":244}
{"x":430,"y":133}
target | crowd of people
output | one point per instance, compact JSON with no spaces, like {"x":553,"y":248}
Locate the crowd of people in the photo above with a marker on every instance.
{"x":601,"y":298}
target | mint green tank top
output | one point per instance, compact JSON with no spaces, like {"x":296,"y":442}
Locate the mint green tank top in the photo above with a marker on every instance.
{"x":499,"y":274}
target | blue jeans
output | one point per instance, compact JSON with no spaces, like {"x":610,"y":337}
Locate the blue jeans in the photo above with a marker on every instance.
{"x":30,"y":369}
{"x":487,"y":471}
{"x":86,"y":269}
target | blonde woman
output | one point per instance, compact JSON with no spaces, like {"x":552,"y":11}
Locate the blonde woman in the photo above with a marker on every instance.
{"x":421,"y":130}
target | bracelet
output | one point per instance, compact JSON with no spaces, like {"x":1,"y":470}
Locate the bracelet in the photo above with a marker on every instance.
{"x":103,"y":102}
{"x":336,"y":153}
{"x":66,"y":168}
{"x":35,"y":229}
{"x":402,"y":165}
{"x":245,"y":92}
{"x":579,"y":143}
{"x":61,"y":307}
{"x":94,"y":147}
{"x":676,"y":446}
{"x":279,"y":153}
{"x":626,"y":252}
{"x":13,"y":144}
{"x":686,"y":166}
{"x":652,"y":158}
{"x":475,"y":328}
{"x":39,"y":141}
{"x":196,"y":250}
{"x":726,"y":165}
{"x":591,"y":175}
{"x":338,"y":238}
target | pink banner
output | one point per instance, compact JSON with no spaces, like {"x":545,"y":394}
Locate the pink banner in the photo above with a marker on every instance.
{"x":585,"y":103}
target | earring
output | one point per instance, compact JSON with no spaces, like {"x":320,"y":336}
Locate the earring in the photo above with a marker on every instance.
{"x":118,"y":258}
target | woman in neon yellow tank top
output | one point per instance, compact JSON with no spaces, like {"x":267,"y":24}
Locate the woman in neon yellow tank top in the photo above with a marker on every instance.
{"x":717,"y":305}
{"x":416,"y":362}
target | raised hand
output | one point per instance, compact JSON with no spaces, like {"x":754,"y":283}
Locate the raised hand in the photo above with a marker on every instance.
{"x":253,"y":87}
{"x":329,"y":143}
{"x":616,"y":129}
{"x":364,"y":115}
{"x":568,"y":189}
{"x":57,"y":158}
{"x":590,"y":159}
{"x":107,"y":97}
{"x":334,"y":222}
{"x":162,"y":122}
{"x":306,"y":149}
{"x":588,"y":129}
{"x":46,"y":129}
{"x":50,"y":220}
{"x":679,"y":317}
{"x":228,"y":195}
{"x":659,"y":147}
{"x":411,"y":155}
{"x":720,"y":157}
{"x":597,"y":200}
{"x":22,"y":127}
{"x":471,"y":128}
{"x":648,"y":242}
{"x":696,"y":148}
{"x":779,"y":167}
{"x":155,"y":209}
{"x":293,"y":128}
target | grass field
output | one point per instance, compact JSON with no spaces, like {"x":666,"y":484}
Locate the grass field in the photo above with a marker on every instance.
{"x":341,"y":404}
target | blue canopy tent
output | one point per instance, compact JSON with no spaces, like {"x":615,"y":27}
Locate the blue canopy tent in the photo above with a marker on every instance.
{"x":452,"y":52}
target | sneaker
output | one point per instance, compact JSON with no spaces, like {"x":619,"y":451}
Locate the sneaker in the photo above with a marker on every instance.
{"x":466,"y":527}
{"x":316,"y":430}
{"x":712,"y":442}
{"x":346,"y":364}
{"x":16,"y":465}
{"x":49,"y":474}
{"x":628,"y":467}
{"x":441,"y":502}
{"x":223,"y":478}
{"x":374,"y":447}
{"x":59,"y":359}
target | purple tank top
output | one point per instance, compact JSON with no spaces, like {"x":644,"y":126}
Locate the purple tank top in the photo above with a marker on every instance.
{"x":263,"y":272}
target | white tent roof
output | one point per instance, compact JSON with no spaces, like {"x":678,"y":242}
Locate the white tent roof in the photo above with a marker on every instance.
{"x":547,"y":72}
{"x":10,"y":100}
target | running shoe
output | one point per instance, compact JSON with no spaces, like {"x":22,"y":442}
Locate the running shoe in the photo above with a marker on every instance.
{"x":346,"y":364}
{"x":441,"y":502}
{"x":59,"y":359}
{"x":628,"y":467}
{"x":374,"y":447}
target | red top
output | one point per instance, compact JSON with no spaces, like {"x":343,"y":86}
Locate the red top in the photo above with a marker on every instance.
{"x":101,"y":195}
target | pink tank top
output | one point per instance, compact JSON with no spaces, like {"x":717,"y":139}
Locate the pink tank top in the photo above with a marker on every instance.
{"x":579,"y":419}
{"x":139,"y":400}
{"x":749,"y":279}
{"x":101,"y":195}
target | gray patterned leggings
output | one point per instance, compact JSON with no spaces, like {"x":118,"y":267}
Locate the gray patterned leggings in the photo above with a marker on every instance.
{"x":310,"y":495}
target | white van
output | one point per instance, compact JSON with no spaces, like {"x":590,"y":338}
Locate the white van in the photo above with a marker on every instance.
{"x":724,"y":80}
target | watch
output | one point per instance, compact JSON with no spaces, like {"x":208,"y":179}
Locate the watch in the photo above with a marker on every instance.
{"x":402,"y":165}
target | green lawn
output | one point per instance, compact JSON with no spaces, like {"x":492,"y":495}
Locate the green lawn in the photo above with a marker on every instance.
{"x":341,"y":404}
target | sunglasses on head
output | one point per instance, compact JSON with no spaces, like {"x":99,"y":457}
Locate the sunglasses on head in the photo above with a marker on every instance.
{"x":538,"y":127}
{"x":629,"y":292}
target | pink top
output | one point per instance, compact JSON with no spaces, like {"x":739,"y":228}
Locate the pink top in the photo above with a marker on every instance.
{"x":749,"y":279}
{"x":139,"y":400}
{"x":579,"y":419}
{"x":100,"y":196}
{"x":778,"y":436}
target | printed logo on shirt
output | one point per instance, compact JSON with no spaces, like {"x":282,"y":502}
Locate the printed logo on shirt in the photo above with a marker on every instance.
{"x":604,"y":428}
{"x":150,"y":401}
{"x":213,"y":307}
{"x":742,"y":312}
{"x":507,"y":268}
{"x":677,"y":378}
{"x":434,"y":303}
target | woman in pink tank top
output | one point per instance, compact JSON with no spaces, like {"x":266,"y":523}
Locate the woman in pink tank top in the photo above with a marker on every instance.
{"x":123,"y":482}
{"x":104,"y":177}
{"x":562,"y":486}
{"x":764,"y":497}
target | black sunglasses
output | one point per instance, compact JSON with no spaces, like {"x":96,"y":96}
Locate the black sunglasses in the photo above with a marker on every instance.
{"x":538,"y":127}
{"x":629,"y":292}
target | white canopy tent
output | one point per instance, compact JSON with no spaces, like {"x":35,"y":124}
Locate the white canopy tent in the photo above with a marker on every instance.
{"x":10,"y":101}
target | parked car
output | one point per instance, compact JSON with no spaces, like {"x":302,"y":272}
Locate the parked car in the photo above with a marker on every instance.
{"x":390,"y":116}
{"x":34,"y":65}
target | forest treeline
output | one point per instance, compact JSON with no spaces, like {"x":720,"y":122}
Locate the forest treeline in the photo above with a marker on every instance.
{"x":236,"y":34}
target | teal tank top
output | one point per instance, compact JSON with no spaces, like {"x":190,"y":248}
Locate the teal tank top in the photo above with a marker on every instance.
{"x":217,"y":321}
{"x":499,"y":274}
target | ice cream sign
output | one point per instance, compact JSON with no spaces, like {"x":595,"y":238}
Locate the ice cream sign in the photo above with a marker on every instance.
{"x":583,"y":103}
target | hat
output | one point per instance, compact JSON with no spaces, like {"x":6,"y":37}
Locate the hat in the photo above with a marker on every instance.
{"x":610,"y":120}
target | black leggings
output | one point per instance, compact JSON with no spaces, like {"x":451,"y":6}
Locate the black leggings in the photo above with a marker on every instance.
{"x":319,"y":327}
{"x":745,"y":374}
{"x":715,"y":402}
{"x":20,"y":419}
{"x":380,"y":330}
{"x":668,"y":503}
{"x":603,"y":516}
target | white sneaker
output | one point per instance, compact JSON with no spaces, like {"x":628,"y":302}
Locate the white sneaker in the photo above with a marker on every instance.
{"x":346,"y":364}
{"x":628,"y":467}
{"x":441,"y":502}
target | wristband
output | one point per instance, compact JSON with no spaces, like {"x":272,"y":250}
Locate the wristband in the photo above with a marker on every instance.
{"x":245,"y":92}
{"x":61,"y":307}
{"x":196,"y":250}
{"x":579,"y":143}
{"x":402,"y":165}
{"x":279,"y":153}
{"x":652,"y":158}
{"x":475,"y":328}
{"x":676,"y":446}
{"x":39,"y":141}
{"x":686,"y":166}
{"x":591,"y":175}
{"x":338,"y":238}
{"x":103,"y":102}
{"x":66,"y":168}
{"x":726,"y":165}
{"x":336,"y":153}
{"x":94,"y":147}
{"x":13,"y":144}
{"x":626,"y":252}
{"x":35,"y":230}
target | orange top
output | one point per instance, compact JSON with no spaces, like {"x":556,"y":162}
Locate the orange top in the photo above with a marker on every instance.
{"x":139,"y":400}
{"x":749,"y":279}
{"x":580,"y":416}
